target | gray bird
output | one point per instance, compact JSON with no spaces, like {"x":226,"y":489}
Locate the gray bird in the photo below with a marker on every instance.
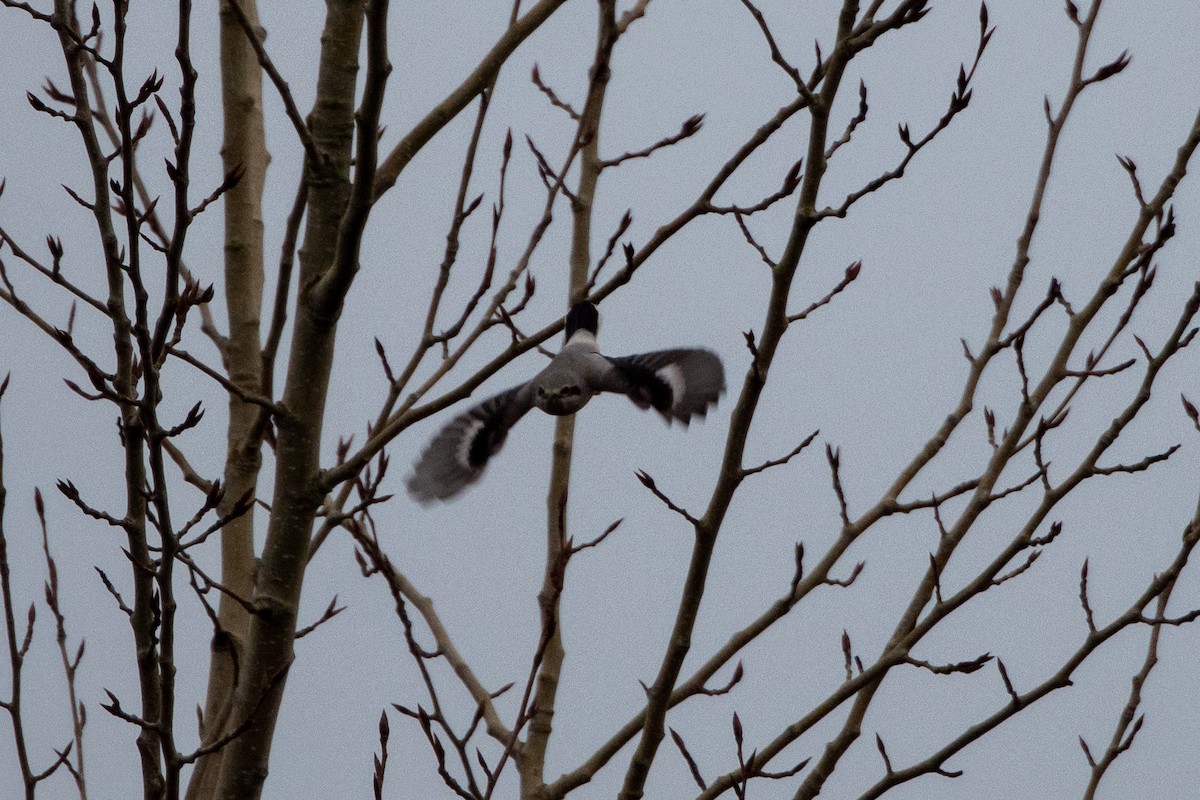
{"x":678,"y":384}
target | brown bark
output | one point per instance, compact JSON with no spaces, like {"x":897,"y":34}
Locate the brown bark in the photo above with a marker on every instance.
{"x":244,"y":148}
{"x":280,"y":577}
{"x":533,"y":757}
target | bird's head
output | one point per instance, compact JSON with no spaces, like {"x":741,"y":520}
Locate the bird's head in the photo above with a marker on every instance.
{"x":560,"y":399}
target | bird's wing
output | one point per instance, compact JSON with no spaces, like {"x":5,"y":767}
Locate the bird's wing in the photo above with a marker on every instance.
{"x":679,"y":384}
{"x":456,"y":456}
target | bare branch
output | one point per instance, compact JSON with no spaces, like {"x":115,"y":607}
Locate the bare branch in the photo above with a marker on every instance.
{"x":777,"y":55}
{"x":834,"y":456}
{"x":331,"y":611}
{"x":785,"y":459}
{"x":536,"y":77}
{"x":691,"y":762}
{"x":649,"y":483}
{"x":690,"y":127}
{"x":851,"y":274}
{"x":316,"y":157}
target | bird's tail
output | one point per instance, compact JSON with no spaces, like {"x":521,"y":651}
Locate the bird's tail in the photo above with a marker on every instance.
{"x":582,"y":317}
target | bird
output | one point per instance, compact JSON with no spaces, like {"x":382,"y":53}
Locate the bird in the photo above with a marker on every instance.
{"x":679,"y":384}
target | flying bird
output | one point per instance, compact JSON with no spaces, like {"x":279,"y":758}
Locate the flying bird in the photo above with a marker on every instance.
{"x":679,"y":384}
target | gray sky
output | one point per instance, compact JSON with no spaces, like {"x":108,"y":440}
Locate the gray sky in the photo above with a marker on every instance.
{"x":875,"y":373}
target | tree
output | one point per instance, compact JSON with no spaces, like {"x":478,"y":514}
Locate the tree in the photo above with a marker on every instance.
{"x":1049,"y":401}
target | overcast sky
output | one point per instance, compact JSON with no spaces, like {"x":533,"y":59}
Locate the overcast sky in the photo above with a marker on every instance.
{"x":875,"y":373}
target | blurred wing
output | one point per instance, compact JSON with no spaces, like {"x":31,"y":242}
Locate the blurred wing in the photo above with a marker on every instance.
{"x":679,"y":384}
{"x":459,"y":452}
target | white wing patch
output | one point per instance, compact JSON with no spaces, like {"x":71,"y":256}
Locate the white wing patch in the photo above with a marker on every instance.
{"x":471,"y":427}
{"x":584,"y":339}
{"x":672,"y":375}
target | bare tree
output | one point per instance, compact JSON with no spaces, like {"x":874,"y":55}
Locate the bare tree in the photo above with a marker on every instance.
{"x":197,"y":551}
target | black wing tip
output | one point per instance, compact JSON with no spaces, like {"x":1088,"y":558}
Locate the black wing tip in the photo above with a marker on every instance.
{"x":457,"y":456}
{"x":700,"y":370}
{"x":583,"y":316}
{"x":704,"y":379}
{"x":685,"y":417}
{"x":426,"y":489}
{"x":420,"y":494}
{"x":418,"y":489}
